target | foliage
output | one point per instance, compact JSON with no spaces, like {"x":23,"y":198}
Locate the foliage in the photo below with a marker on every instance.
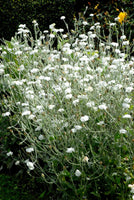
{"x":18,"y":188}
{"x":12,"y":13}
{"x":71,"y":108}
{"x":15,"y":12}
{"x":107,"y":11}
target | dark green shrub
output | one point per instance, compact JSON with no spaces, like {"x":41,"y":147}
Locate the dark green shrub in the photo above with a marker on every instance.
{"x":51,"y":11}
{"x":20,"y":188}
{"x":13,"y":13}
{"x":16,"y":12}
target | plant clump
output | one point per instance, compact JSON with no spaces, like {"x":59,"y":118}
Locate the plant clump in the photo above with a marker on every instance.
{"x":70,"y":105}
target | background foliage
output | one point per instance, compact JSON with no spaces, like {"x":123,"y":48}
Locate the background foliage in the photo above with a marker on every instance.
{"x":15,"y":12}
{"x":46,"y":12}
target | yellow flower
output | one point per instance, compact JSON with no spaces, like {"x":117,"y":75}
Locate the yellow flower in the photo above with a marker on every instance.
{"x":96,"y":6}
{"x":122,"y":16}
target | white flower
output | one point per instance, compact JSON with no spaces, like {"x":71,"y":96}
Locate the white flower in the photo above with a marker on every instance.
{"x":91,"y":15}
{"x":31,"y":116}
{"x":132,"y":187}
{"x":117,"y":51}
{"x":27,"y":112}
{"x":45,"y":31}
{"x":68,"y":96}
{"x":10,"y":153}
{"x":112,"y":67}
{"x":122,"y":131}
{"x":33,"y":51}
{"x":93,"y":35}
{"x":65,"y":124}
{"x":126,"y":105}
{"x":83,"y":36}
{"x":21,"y":68}
{"x":62,"y":17}
{"x":100,"y":123}
{"x":102,"y":106}
{"x":85,"y":23}
{"x":39,"y":108}
{"x":30,"y":165}
{"x":75,"y":102}
{"x":18,"y":52}
{"x":25,"y":104}
{"x":29,"y":150}
{"x":47,"y":78}
{"x":123,"y":37}
{"x":73,"y":130}
{"x":112,"y":24}
{"x":114,"y":44}
{"x":64,"y":36}
{"x":61,"y":110}
{"x":68,"y":90}
{"x":116,"y":19}
{"x":60,"y":30}
{"x":90,"y":104}
{"x":77,"y":127}
{"x":34,"y":70}
{"x":5,"y":114}
{"x":97,"y":23}
{"x":1,"y":71}
{"x":34,"y":21}
{"x":89,"y":89}
{"x":117,"y":87}
{"x":125,"y":43}
{"x":41,"y":137}
{"x":77,"y":173}
{"x":17,"y":162}
{"x":52,"y":35}
{"x":17,"y":83}
{"x":22,"y":26}
{"x":131,"y":71}
{"x":51,"y":26}
{"x":107,"y":47}
{"x":129,"y":89}
{"x":38,"y":128}
{"x":95,"y":108}
{"x":102,"y":84}
{"x":35,"y":63}
{"x":122,"y":55}
{"x":51,"y":107}
{"x":70,"y":150}
{"x":84,"y":118}
{"x":127,"y":116}
{"x":85,"y":159}
{"x":4,"y":53}
{"x":2,"y":66}
{"x":127,"y":100}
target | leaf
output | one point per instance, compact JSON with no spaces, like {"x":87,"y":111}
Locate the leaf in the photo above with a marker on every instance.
{"x":42,"y":195}
{"x":96,"y":194}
